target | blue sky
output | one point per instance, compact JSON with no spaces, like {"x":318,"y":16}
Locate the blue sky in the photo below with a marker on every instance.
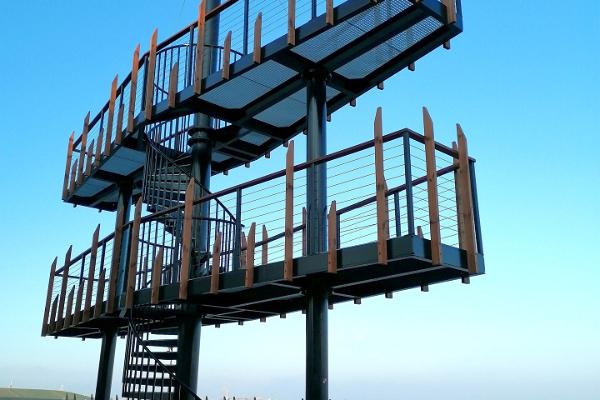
{"x":524,"y":82}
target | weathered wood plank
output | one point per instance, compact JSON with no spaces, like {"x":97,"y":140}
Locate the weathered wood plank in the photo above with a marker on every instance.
{"x":249,"y":277}
{"x":68,"y":320}
{"x":63,"y":289}
{"x":216,"y":264}
{"x":45,"y":322}
{"x":98,"y":156}
{"x":173,"y":77}
{"x":432,"y":190}
{"x":111,"y":116}
{"x":119,"y":127}
{"x":135,"y":67}
{"x":329,"y":12}
{"x":382,"y":221}
{"x":90,"y":153}
{"x":72,"y":186}
{"x":226,"y":56}
{"x":288,"y":263}
{"x":150,"y":69}
{"x":83,"y":147}
{"x":156,"y":270}
{"x":114,"y":265}
{"x":133,"y":254}
{"x":91,"y":275}
{"x":332,"y":239}
{"x":291,"y":37}
{"x":77,"y":311}
{"x":457,"y":191}
{"x":200,"y":48}
{"x":52,"y":323}
{"x":100,"y":293}
{"x":467,"y":202}
{"x":68,"y":166}
{"x":187,"y":239}
{"x":257,"y":52}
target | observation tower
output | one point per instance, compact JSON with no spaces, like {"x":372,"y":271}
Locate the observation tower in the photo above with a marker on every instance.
{"x":396,"y":211}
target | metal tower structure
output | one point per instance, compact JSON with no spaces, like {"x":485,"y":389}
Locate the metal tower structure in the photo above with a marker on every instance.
{"x":394,"y":212}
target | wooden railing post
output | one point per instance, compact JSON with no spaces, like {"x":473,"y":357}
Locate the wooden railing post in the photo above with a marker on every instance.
{"x":100,"y":294}
{"x":291,"y":37}
{"x":381,"y":200}
{"x":257,"y":52}
{"x":52,"y":322}
{"x":187,"y":240}
{"x":133,"y":254}
{"x":83,"y":147}
{"x":200,"y":48}
{"x":68,"y":314}
{"x":173,"y":77}
{"x":111,"y":116}
{"x":288,"y":263}
{"x":98,"y":156}
{"x":226,"y":56}
{"x":63,"y":289}
{"x":466,"y":211}
{"x":249,"y":278}
{"x":432,"y":191}
{"x":332,"y":239}
{"x":265,"y":246}
{"x":72,"y":185}
{"x":77,"y":311}
{"x":91,"y":273}
{"x":133,"y":88}
{"x":115,"y":261}
{"x":216,"y":263}
{"x":68,"y":167}
{"x":329,"y":12}
{"x":155,"y":284}
{"x":304,"y":252}
{"x":88,"y":163}
{"x":457,"y":192}
{"x":150,"y":68}
{"x":119,"y":127}
{"x":243,"y":245}
{"x":45,"y":323}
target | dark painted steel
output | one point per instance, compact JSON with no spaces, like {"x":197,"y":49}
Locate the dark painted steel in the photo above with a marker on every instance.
{"x":123,"y":210}
{"x":238,"y":231}
{"x":246,"y":24}
{"x":475,"y":207}
{"x":316,"y":175}
{"x":397,"y":214}
{"x":188,"y":344}
{"x":105,"y":365}
{"x":410,"y":212}
{"x":317,"y":375}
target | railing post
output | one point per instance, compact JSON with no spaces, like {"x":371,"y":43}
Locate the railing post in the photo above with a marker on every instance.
{"x":432,"y":191}
{"x":466,"y":213}
{"x":249,"y":278}
{"x":246,"y":25}
{"x":111,"y":115}
{"x":156,"y":269}
{"x":133,"y":88}
{"x":100,"y":294}
{"x":257,"y":48}
{"x":410,"y":213}
{"x":397,"y":214}
{"x":380,"y":189}
{"x":63,"y":290}
{"x":236,"y":262}
{"x":45,"y":323}
{"x":288,"y":264}
{"x":265,"y":246}
{"x":291,"y":36}
{"x":150,"y":68}
{"x":187,"y":239}
{"x":475,"y":201}
{"x":173,"y":77}
{"x":215,"y":268}
{"x":133,"y":255}
{"x":68,"y":313}
{"x":200,"y":48}
{"x":91,"y":274}
{"x":68,"y":167}
{"x":77,"y":311}
{"x":83,"y":147}
{"x":332,"y":239}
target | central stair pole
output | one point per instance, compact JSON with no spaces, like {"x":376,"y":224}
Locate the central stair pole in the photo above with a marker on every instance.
{"x":317,"y":380}
{"x":105,"y":365}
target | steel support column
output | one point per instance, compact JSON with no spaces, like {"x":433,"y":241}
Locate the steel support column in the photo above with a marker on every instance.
{"x":188,"y":350}
{"x":123,"y":212}
{"x":316,"y":236}
{"x":105,"y":365}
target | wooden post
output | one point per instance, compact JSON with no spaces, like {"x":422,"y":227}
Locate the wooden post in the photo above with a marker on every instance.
{"x":215,"y":268}
{"x":329,"y":12}
{"x":82,"y":147}
{"x":257,"y":53}
{"x":65,"y":279}
{"x":432,"y":191}
{"x":114,"y":265}
{"x":381,"y":200}
{"x":88,"y":164}
{"x":450,"y":11}
{"x":133,"y":88}
{"x":200,"y":48}
{"x":119,"y":128}
{"x":73,"y":177}
{"x":155,"y":284}
{"x":68,"y":167}
{"x":45,"y":323}
{"x":68,"y":314}
{"x":173,"y":77}
{"x":265,"y":246}
{"x":133,"y":254}
{"x":145,"y":273}
{"x":100,"y":293}
{"x":291,"y":37}
{"x":243,"y":247}
{"x":91,"y":274}
{"x":466,"y":213}
{"x":187,"y":240}
{"x":52,"y":322}
{"x":249,"y":279}
{"x":150,"y":68}
{"x":457,"y":192}
{"x":98,"y":156}
{"x":304,"y":231}
{"x":288,"y":263}
{"x":77,"y":311}
{"x":420,"y":231}
{"x":226,"y":55}
{"x":332,"y":239}
{"x":111,"y":115}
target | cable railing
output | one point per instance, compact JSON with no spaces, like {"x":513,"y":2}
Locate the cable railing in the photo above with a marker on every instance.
{"x":400,"y":184}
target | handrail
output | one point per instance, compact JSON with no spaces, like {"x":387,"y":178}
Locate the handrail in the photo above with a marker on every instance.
{"x":172,"y":375}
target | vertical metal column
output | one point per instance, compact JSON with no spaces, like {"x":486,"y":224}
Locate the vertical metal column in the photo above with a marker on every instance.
{"x":410,"y":212}
{"x":105,"y":365}
{"x":188,"y":349}
{"x":475,"y":207}
{"x":123,"y":210}
{"x":317,"y":383}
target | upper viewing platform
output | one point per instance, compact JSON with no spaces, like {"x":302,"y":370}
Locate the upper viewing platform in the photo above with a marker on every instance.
{"x":251,"y":76}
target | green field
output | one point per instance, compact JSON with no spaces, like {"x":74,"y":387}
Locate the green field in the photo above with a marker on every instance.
{"x":38,"y":394}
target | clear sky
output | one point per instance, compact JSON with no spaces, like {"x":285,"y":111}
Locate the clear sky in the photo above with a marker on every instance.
{"x":524,"y":82}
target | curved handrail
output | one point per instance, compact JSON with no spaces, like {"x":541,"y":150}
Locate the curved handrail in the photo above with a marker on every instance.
{"x":172,"y":375}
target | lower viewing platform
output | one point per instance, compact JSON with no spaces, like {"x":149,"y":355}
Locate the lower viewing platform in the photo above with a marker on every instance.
{"x":404,"y":215}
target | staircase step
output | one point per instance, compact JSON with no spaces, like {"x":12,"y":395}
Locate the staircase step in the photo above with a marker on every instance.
{"x":151,"y":381}
{"x":149,"y":395}
{"x":161,"y":342}
{"x":161,"y":355}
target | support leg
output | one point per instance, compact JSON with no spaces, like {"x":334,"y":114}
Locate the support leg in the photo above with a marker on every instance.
{"x":188,"y":351}
{"x":317,"y":379}
{"x":105,"y":365}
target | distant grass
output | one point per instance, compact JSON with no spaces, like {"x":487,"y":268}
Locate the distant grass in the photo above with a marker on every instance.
{"x":38,"y":394}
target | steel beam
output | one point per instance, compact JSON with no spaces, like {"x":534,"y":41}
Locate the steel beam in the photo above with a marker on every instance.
{"x":317,"y":378}
{"x":105,"y":365}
